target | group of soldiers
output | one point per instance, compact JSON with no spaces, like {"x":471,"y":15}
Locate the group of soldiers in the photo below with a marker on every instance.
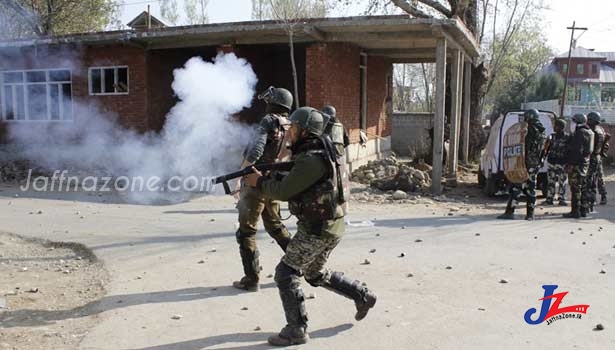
{"x":312,"y":190}
{"x":574,"y":158}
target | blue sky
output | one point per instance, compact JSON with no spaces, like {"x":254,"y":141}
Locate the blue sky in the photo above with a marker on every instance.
{"x":595,"y":14}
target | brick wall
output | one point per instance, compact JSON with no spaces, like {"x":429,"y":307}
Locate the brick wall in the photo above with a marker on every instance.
{"x":409,"y":136}
{"x":333,"y":77}
{"x":131,"y":108}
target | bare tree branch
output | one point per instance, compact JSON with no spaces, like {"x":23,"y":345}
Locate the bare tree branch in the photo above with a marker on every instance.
{"x":410,"y":9}
{"x":439,"y":7}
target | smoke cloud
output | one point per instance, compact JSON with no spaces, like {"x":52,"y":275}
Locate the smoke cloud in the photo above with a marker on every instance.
{"x":200,"y":137}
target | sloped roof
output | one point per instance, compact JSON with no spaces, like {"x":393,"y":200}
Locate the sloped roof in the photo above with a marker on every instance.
{"x":610,"y":56}
{"x":141,"y":21}
{"x":581,"y":52}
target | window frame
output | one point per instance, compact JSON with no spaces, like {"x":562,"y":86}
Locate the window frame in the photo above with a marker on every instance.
{"x":102,"y":80}
{"x":582,"y":70}
{"x":24,"y":84}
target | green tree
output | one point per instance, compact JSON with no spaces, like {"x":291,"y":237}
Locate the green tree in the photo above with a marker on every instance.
{"x":517,"y":74}
{"x":27,"y":18}
{"x":548,"y":87}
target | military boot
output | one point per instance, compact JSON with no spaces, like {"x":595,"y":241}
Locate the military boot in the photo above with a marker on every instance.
{"x":563,"y":203}
{"x":295,"y":332}
{"x":364,"y":299}
{"x":603,"y":200}
{"x":529,"y":213}
{"x":549,"y":201}
{"x":509,"y":214}
{"x":583,"y":212}
{"x":251,"y":269}
{"x":574,"y":212}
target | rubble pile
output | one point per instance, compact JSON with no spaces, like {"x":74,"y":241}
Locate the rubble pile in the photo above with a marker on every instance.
{"x":389,"y":174}
{"x":17,"y":170}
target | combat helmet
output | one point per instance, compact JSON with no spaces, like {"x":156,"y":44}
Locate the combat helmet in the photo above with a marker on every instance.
{"x":579,"y":118}
{"x":329,"y":110}
{"x":560,"y":124}
{"x":594,"y":117}
{"x":531,"y":114}
{"x":277,"y":96}
{"x":309,"y":119}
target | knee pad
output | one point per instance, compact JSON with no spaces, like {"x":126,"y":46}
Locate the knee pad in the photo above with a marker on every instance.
{"x":286,"y":277}
{"x":242,"y":236}
{"x":317,"y":280}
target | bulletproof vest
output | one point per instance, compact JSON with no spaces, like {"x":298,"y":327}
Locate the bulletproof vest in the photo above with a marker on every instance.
{"x":557,"y":152}
{"x":277,"y":137}
{"x":534,"y":143}
{"x":335,"y":130}
{"x":599,"y":135}
{"x":320,"y":201}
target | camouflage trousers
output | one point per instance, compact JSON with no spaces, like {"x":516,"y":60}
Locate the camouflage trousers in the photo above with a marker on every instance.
{"x":595,"y":178}
{"x":528,"y":188}
{"x":576,"y":180}
{"x":252,"y":206}
{"x":310,"y":247}
{"x":556,"y":175}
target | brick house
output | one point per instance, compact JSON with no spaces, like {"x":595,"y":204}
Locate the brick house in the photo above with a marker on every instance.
{"x":345,"y":62}
{"x":591,"y":79}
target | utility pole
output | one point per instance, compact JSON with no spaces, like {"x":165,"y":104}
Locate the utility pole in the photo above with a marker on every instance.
{"x":573,"y":28}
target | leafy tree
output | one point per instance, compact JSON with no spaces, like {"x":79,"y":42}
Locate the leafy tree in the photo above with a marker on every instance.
{"x":548,"y":87}
{"x":514,"y":84}
{"x":27,"y":18}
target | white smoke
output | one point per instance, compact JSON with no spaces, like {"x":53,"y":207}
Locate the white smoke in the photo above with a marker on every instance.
{"x":200,"y":137}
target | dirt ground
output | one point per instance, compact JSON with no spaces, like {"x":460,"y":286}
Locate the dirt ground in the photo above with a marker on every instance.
{"x":39,"y":276}
{"x":50,"y":292}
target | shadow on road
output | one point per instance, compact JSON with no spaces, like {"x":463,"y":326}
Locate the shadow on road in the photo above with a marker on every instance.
{"x":29,"y":318}
{"x":204,"y":343}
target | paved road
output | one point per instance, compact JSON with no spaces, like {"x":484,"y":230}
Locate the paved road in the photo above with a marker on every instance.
{"x":153,"y":255}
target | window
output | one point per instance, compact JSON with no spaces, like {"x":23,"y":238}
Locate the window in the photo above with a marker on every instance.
{"x":36,"y":95}
{"x":594,"y":69}
{"x":565,"y":67}
{"x":108,"y":80}
{"x":580,"y":67}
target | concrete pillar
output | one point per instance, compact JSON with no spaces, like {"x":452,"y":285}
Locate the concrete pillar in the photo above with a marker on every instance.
{"x":465,"y":139}
{"x":453,"y":151}
{"x":439,"y":118}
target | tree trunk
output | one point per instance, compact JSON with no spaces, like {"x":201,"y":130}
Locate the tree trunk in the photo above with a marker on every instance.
{"x":294,"y":68}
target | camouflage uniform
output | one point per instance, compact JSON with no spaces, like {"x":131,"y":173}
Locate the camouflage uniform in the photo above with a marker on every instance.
{"x":577,"y":162}
{"x":595,"y":167}
{"x":310,"y":189}
{"x":252,"y":205}
{"x":534,"y":144}
{"x":557,"y":173}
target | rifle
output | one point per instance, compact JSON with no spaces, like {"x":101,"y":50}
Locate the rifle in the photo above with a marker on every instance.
{"x":544,"y":154}
{"x":281,"y":166}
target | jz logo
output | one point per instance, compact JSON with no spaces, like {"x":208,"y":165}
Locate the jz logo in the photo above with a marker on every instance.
{"x":552,"y":313}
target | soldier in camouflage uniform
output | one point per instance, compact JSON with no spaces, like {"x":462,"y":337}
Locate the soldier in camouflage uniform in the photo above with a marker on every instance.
{"x":580,"y":147}
{"x":557,"y":162}
{"x":534,"y":146}
{"x":265,"y":148}
{"x":335,"y":129}
{"x":312,"y":192}
{"x":595,"y":172}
